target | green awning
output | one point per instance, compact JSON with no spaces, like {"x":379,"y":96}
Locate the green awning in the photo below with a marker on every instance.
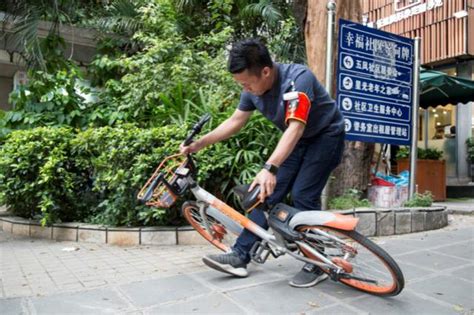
{"x":438,"y":88}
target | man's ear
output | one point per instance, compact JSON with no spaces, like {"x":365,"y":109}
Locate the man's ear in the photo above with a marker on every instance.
{"x":266,"y":71}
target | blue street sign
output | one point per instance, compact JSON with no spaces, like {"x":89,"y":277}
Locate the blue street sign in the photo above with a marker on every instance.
{"x":375,"y":84}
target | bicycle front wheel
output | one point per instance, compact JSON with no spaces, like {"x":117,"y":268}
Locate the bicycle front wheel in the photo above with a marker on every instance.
{"x":367,"y":267}
{"x":209,"y":227}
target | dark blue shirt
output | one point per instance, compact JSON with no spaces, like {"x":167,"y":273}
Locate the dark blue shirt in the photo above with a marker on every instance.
{"x":324,"y":116}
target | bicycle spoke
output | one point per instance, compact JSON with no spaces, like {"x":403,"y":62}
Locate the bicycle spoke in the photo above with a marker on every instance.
{"x":209,"y":227}
{"x":363,"y":269}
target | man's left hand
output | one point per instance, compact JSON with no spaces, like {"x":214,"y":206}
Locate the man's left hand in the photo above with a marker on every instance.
{"x":267,"y":182}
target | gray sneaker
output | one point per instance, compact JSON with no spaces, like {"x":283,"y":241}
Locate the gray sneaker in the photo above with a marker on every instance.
{"x":229,"y":263}
{"x":308,"y":276}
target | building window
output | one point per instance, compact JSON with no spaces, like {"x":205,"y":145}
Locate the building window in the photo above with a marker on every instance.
{"x":441,"y":122}
{"x":449,"y":71}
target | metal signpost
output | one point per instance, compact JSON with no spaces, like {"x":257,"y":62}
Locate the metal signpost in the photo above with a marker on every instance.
{"x":331,"y":10}
{"x":376,"y":85}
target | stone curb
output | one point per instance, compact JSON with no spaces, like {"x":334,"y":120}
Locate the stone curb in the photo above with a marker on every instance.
{"x":372,"y":222}
{"x":384,"y":222}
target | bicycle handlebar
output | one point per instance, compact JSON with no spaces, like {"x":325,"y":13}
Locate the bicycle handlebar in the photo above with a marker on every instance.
{"x":197,"y":128}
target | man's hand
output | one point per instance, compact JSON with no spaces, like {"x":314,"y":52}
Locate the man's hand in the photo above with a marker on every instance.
{"x":191,"y":148}
{"x":267,"y":182}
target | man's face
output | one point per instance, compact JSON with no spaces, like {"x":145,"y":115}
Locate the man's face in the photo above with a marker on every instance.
{"x":254,"y":84}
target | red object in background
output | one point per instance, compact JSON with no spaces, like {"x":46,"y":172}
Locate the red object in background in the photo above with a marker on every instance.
{"x":377,"y":181}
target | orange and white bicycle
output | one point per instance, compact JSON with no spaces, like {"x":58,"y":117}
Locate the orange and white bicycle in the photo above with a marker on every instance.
{"x":325,"y":239}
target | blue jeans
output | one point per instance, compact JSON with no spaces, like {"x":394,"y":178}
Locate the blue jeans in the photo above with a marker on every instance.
{"x":304,"y":173}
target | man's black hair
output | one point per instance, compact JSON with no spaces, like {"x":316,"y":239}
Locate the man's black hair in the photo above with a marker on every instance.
{"x":249,"y":54}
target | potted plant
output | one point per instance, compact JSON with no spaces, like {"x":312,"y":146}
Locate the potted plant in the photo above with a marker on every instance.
{"x":470,"y":156}
{"x":430,"y":170}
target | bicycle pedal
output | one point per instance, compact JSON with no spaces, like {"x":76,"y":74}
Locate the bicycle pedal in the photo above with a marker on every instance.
{"x":334,"y":276}
{"x":259,"y":252}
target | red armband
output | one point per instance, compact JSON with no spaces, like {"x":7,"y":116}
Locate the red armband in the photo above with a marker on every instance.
{"x":297,"y":106}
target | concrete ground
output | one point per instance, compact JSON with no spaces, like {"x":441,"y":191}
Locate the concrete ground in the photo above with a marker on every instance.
{"x":458,"y":206}
{"x":47,"y":277}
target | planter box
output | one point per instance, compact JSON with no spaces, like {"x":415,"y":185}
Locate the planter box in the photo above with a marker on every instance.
{"x":430,"y":176}
{"x":387,"y":196}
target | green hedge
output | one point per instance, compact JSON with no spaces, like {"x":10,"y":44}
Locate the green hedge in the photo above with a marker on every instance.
{"x":36,"y":174}
{"x":56,"y":174}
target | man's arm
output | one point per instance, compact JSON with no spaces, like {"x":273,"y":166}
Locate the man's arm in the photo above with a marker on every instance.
{"x":225,"y":130}
{"x":287,"y":142}
{"x":285,"y":146}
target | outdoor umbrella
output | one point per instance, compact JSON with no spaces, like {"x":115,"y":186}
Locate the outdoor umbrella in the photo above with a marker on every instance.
{"x":438,"y":88}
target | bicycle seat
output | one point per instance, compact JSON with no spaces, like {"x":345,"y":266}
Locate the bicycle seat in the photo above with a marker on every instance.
{"x":335,"y":220}
{"x":248,"y":199}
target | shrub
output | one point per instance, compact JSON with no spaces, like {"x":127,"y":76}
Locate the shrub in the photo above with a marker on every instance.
{"x":54,"y":99}
{"x":55,"y":174}
{"x":423,"y":154}
{"x":93,"y":176}
{"x":470,"y":149}
{"x":37,"y":175}
{"x":351,"y":199}
{"x":420,"y":200}
{"x":4,"y":131}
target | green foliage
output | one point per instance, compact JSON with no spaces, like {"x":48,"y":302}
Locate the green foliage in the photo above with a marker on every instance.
{"x":4,"y":131}
{"x":470,"y":149}
{"x":288,"y":43}
{"x":54,"y":99}
{"x":422,"y":154}
{"x":151,"y":85}
{"x":420,"y":200}
{"x":118,"y":161}
{"x":120,"y":17}
{"x":54,"y":174}
{"x":272,"y":21}
{"x":430,"y":154}
{"x":241,"y":156}
{"x":403,"y":153}
{"x":36,"y":176}
{"x":168,"y":72}
{"x":351,"y":199}
{"x":25,"y":16}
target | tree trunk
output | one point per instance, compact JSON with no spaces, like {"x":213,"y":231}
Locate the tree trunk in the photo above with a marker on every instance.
{"x":299,"y":12}
{"x":354,"y":170}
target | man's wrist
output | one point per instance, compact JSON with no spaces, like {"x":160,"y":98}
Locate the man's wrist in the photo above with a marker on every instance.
{"x":271,"y":168}
{"x":200,"y":143}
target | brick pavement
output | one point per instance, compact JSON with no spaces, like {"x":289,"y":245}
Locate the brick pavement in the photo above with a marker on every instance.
{"x":39,"y":277}
{"x":41,"y":267}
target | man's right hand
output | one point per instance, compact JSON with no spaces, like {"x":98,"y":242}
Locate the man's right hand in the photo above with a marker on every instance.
{"x":191,"y":148}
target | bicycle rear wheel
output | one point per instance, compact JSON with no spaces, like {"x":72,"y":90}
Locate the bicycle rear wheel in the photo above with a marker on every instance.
{"x":217,"y":234}
{"x":367,"y":267}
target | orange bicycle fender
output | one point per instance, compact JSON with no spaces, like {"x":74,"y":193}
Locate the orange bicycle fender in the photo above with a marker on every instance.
{"x":343,"y":222}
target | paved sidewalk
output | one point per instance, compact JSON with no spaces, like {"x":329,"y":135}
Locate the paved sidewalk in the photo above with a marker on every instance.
{"x":462,"y":206}
{"x":46,"y":277}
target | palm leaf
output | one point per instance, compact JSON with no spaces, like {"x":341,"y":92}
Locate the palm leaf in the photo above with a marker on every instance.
{"x":265,"y":9}
{"x":124,"y":17}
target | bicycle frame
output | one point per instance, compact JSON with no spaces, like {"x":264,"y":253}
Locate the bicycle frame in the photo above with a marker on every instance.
{"x":315,"y":233}
{"x":235,"y":222}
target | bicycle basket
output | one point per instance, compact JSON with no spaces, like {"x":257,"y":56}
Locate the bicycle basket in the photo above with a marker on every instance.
{"x":166,"y":184}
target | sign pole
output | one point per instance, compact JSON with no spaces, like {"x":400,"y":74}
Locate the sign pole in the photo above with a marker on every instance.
{"x":329,"y":45}
{"x":331,"y":8}
{"x":415,"y":106}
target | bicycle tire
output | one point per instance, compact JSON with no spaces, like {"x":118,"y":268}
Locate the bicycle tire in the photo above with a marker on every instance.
{"x":393,"y":287}
{"x":190,"y":211}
